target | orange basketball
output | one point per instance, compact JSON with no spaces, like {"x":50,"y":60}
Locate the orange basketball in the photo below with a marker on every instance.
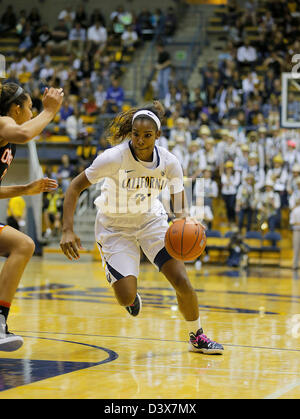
{"x":185,"y":240}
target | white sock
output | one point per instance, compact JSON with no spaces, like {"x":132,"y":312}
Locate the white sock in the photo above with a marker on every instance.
{"x":194,"y":325}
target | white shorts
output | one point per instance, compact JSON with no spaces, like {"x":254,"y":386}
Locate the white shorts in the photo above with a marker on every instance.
{"x":120,"y":247}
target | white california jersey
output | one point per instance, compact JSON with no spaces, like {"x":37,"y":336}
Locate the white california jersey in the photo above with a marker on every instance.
{"x":130,"y":192}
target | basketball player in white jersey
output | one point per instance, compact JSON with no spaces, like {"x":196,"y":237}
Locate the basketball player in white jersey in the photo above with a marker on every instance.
{"x":131,"y":216}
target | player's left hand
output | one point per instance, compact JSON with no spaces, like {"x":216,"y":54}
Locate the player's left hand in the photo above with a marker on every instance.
{"x":70,"y":244}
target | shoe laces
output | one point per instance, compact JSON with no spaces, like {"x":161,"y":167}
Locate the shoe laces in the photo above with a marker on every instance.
{"x":203,"y":338}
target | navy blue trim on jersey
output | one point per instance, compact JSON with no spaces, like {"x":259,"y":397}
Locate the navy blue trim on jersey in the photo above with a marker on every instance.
{"x":161,"y":258}
{"x":132,"y":151}
{"x":115,"y":273}
{"x":135,"y":157}
{"x":158,"y":158}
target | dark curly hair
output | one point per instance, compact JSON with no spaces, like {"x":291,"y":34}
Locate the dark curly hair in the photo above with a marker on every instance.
{"x":120,"y":127}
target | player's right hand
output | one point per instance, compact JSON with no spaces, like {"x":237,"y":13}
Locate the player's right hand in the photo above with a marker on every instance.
{"x":70,"y":244}
{"x":52,"y":99}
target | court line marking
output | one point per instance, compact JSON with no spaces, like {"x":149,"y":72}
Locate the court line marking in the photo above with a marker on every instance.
{"x":153,"y":339}
{"x":112,"y":355}
{"x":283,"y":391}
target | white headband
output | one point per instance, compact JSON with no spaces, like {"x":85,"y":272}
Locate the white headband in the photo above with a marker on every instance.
{"x":150,"y":114}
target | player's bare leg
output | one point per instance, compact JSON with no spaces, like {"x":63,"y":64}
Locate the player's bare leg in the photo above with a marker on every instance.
{"x":18,"y":248}
{"x":176,"y":274}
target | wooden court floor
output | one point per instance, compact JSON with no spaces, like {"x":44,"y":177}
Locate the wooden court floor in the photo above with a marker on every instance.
{"x":80,"y":344}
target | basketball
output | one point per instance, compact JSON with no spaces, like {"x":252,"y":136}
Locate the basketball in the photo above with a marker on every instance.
{"x":185,"y":240}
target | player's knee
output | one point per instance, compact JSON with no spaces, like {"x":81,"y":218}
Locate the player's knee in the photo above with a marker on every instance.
{"x":125,"y":290}
{"x":26,"y":247}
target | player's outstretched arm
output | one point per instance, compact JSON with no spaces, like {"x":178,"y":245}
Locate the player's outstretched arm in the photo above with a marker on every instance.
{"x":33,"y":188}
{"x":70,"y":243}
{"x":11,"y":132}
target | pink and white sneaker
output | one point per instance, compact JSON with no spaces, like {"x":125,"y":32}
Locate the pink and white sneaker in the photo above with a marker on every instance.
{"x":201,"y":343}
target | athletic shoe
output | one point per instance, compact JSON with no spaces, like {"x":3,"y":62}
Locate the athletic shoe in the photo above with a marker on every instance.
{"x":201,"y":343}
{"x":8,"y":341}
{"x":135,"y":308}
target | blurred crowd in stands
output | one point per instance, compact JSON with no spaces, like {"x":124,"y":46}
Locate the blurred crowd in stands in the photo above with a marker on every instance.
{"x":226,"y":129}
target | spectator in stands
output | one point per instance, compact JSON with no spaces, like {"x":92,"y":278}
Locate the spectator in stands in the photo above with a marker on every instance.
{"x":43,"y":35}
{"x":81,"y":16}
{"x":97,"y":16}
{"x":295,"y":195}
{"x":29,"y":62}
{"x":210,"y":193}
{"x":16,"y":212}
{"x":278,"y":176}
{"x":52,"y":212}
{"x":90,"y":106}
{"x":230,"y":181}
{"x":246,"y":55}
{"x":26,"y":38}
{"x":269,"y":207}
{"x":227,"y":149}
{"x":8,"y":20}
{"x":209,"y":154}
{"x":291,"y":155}
{"x":86,"y":152}
{"x":237,"y":131}
{"x":158,"y":19}
{"x":65,"y":172}
{"x":97,"y":37}
{"x":274,"y":61}
{"x":242,"y":159}
{"x":46,"y":72}
{"x":114,"y":96}
{"x":125,"y":17}
{"x":170,"y":23}
{"x":75,"y":128}
{"x":181,"y":128}
{"x":163,"y":67}
{"x":65,"y":111}
{"x":249,"y":83}
{"x":196,"y":161}
{"x":254,"y":168}
{"x":68,"y":15}
{"x":292,"y":176}
{"x":144,"y":26}
{"x":129,"y":39}
{"x":115,"y":30}
{"x":256,"y":147}
{"x":59,"y":41}
{"x":249,"y":16}
{"x":77,"y":37}
{"x":246,"y":201}
{"x":179,"y":150}
{"x":204,"y":133}
{"x":34,"y":18}
{"x":100,"y":97}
